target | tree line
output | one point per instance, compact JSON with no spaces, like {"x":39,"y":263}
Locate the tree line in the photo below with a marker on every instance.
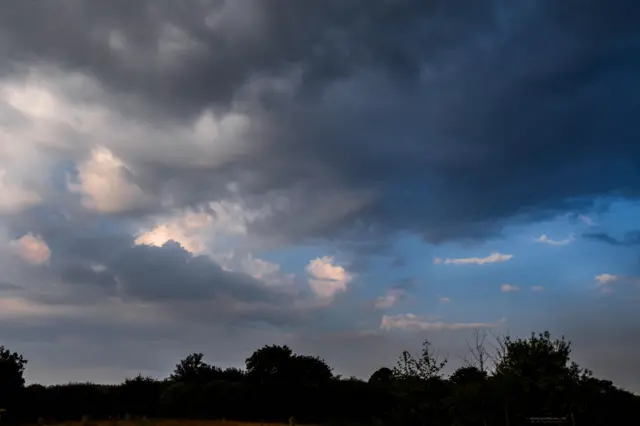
{"x":504,"y":382}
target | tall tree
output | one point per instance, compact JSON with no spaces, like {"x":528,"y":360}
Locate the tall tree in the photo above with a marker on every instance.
{"x":478,"y":356}
{"x":194,"y":370}
{"x":12,"y":367}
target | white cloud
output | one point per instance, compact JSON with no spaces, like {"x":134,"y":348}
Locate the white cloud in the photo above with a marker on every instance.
{"x":208,"y":231}
{"x":445,"y":300}
{"x":198,"y":231}
{"x":414,"y":322}
{"x":537,"y":288}
{"x":327,"y":279}
{"x":32,"y":248}
{"x":390,"y":299}
{"x":605,"y":281}
{"x":42,"y":110}
{"x":492,"y":258}
{"x":103,"y":181}
{"x":97,"y":267}
{"x":184,"y":229}
{"x":47,"y":98}
{"x":14,"y":198}
{"x":545,"y":239}
{"x":509,"y":288}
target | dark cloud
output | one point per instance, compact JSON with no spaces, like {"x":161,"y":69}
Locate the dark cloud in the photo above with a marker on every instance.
{"x":631,"y":238}
{"x":93,"y":260}
{"x":442,"y":118}
{"x":368,"y":119}
{"x":171,"y":273}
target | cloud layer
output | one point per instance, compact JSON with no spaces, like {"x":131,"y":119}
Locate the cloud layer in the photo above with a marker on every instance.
{"x":248,"y":168}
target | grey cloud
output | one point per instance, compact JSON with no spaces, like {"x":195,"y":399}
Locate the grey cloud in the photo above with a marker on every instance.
{"x":104,"y":309}
{"x":63,"y":351}
{"x":93,"y":260}
{"x":171,"y":273}
{"x":233,"y":42}
{"x":369,"y":118}
{"x":442,"y":118}
{"x":85,"y":274}
{"x":5,"y":286}
{"x":630,"y":238}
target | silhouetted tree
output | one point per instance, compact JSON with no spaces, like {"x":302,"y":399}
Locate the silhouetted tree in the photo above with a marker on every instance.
{"x":310,"y":370}
{"x":139,"y":395}
{"x":531,"y":376}
{"x":12,"y":366}
{"x":427,"y":366}
{"x":538,"y":374}
{"x":468,"y":375}
{"x":232,"y":375}
{"x":383,"y":375}
{"x":478,"y":357}
{"x":270,"y":364}
{"x":194,"y":370}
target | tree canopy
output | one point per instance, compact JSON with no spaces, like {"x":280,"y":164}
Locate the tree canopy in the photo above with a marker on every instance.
{"x":12,"y":367}
{"x":504,"y":384}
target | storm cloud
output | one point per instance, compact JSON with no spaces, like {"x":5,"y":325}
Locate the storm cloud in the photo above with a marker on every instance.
{"x":157,"y":150}
{"x":443,"y":118}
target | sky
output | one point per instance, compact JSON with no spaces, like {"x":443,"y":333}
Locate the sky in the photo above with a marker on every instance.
{"x":344,"y":177}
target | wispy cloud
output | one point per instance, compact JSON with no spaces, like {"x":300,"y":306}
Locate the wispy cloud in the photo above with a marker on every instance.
{"x":587,"y":220}
{"x":604,"y":279}
{"x":509,"y":288}
{"x":537,"y":288}
{"x":492,"y":258}
{"x":390,"y":299}
{"x":545,"y":239}
{"x":412,"y":322}
{"x":15,"y":198}
{"x":445,"y":300}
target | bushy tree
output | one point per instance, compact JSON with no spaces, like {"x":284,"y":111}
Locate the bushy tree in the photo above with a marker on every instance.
{"x":529,"y":377}
{"x":427,"y":366}
{"x":279,"y":365}
{"x":538,"y":374}
{"x":269,"y":364}
{"x":383,"y":375}
{"x":194,"y":370}
{"x":12,"y":367}
{"x":467,"y":376}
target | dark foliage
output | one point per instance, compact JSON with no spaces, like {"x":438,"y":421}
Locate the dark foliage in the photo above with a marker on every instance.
{"x":529,"y":378}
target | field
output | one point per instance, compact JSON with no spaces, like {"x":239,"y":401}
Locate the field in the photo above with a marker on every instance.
{"x":170,"y":423}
